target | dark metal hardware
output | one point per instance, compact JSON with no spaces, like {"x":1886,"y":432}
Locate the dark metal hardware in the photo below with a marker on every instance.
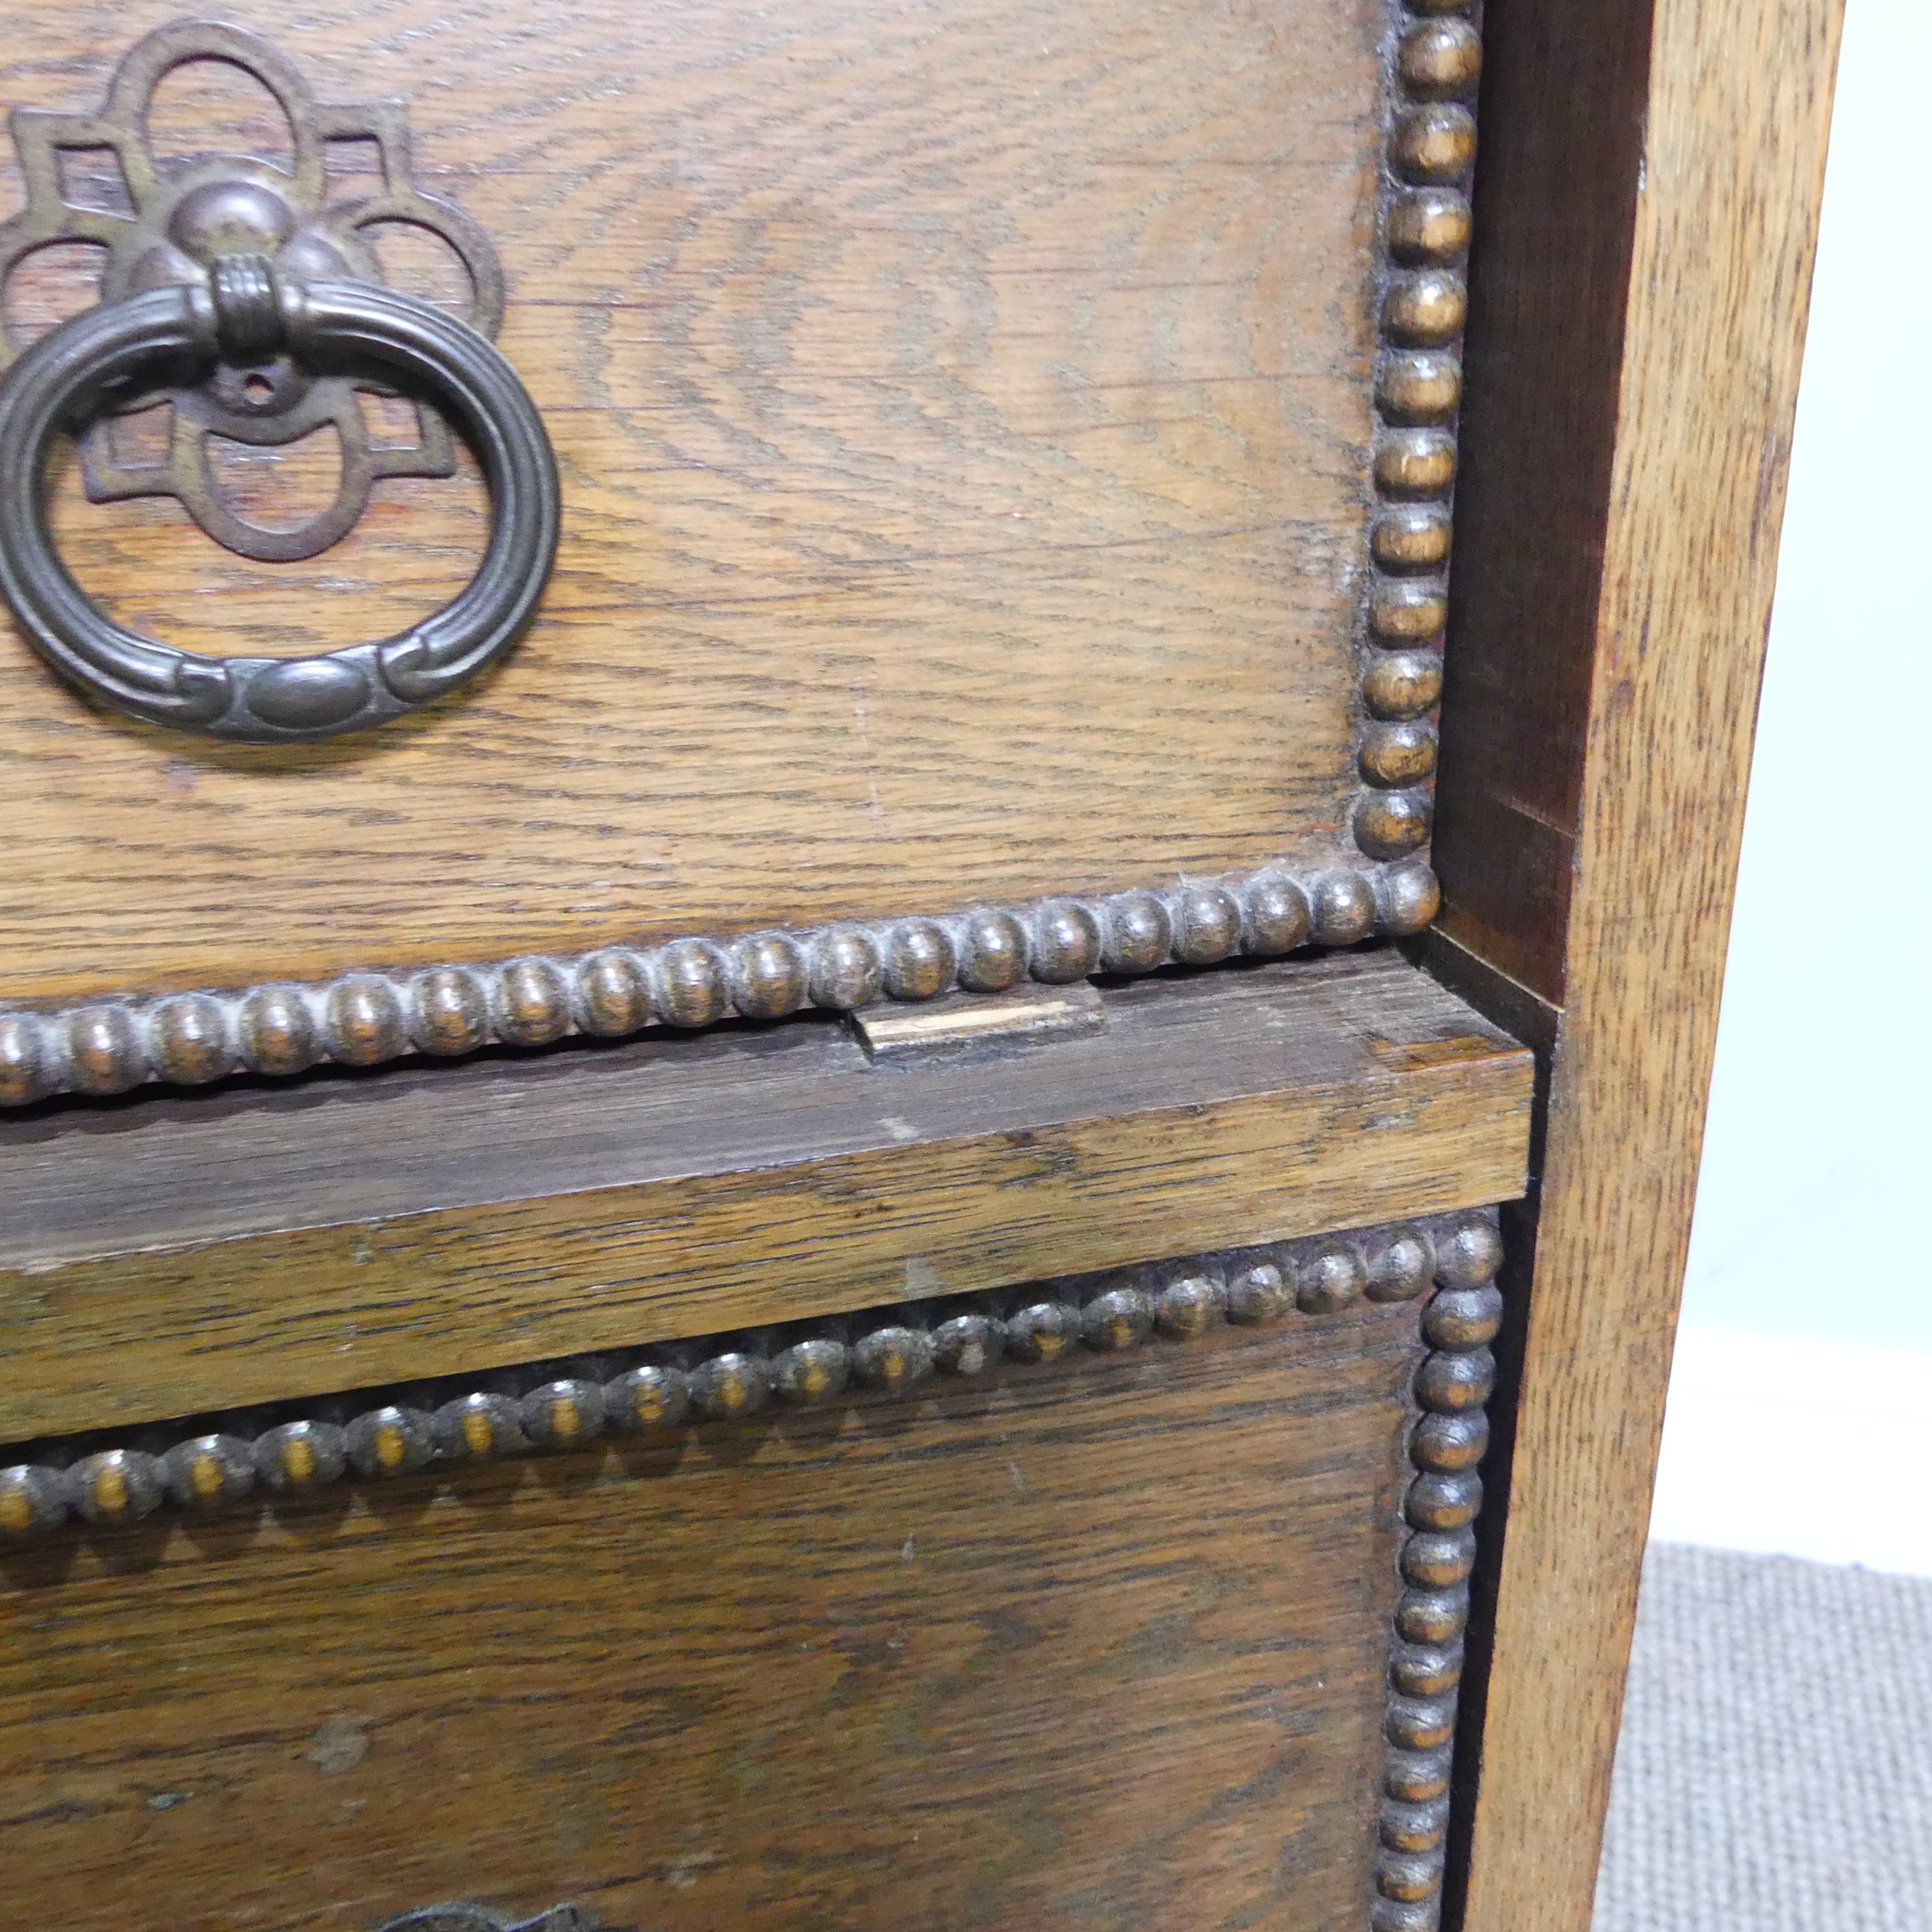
{"x":254,"y":306}
{"x":166,"y":222}
{"x":476,"y":1918}
{"x":247,"y":307}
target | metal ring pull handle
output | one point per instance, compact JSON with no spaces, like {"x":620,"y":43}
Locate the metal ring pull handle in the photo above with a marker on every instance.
{"x":246,"y":311}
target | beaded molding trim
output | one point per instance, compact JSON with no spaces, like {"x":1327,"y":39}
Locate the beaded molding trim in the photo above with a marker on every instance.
{"x":205,"y":1463}
{"x":365,"y":1019}
{"x":1446,"y":1443}
{"x":1422,"y":304}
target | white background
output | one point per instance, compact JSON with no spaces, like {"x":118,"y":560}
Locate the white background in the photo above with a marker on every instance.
{"x":1807,"y":1313}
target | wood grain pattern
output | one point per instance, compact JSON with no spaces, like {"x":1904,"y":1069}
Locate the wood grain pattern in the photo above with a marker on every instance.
{"x":1669,"y":222}
{"x":172,"y":1255}
{"x":1012,"y":1659}
{"x":226,"y":1463}
{"x":963,"y":416}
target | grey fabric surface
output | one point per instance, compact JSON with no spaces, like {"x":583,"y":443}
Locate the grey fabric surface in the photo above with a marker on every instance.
{"x":1775,"y":1770}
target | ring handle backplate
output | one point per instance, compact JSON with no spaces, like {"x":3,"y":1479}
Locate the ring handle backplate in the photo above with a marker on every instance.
{"x":93,"y":177}
{"x":250,"y":301}
{"x":246,"y":310}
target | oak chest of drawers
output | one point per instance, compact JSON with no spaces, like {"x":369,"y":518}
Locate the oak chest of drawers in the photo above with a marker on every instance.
{"x":773,"y":1156}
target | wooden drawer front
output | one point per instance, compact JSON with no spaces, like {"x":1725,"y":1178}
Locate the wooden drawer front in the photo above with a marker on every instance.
{"x":1098,"y":1633}
{"x":970,"y":438}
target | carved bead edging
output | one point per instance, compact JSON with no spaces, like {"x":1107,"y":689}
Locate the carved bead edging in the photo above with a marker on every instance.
{"x":1452,"y":1381}
{"x":363,"y":1019}
{"x":1421,"y":307}
{"x":890,"y":1353}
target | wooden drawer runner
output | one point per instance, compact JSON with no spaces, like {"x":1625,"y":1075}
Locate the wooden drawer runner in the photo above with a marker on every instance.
{"x":166,"y":1256}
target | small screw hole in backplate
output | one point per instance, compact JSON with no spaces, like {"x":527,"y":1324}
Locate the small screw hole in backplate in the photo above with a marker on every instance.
{"x":258,"y":388}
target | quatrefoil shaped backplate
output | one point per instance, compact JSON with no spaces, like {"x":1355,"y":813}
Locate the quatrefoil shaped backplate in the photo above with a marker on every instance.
{"x":176,"y":217}
{"x":479,"y":1918}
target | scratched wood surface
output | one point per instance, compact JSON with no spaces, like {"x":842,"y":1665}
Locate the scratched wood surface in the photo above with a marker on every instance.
{"x":169,"y":1257}
{"x":1105,"y":1645}
{"x":962,"y":410}
{"x":1637,"y":316}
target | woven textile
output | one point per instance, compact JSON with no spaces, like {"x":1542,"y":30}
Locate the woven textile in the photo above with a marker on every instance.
{"x":1775,"y":1771}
